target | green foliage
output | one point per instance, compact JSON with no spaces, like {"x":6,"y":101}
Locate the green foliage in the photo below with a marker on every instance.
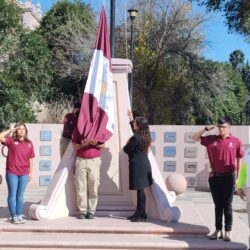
{"x":70,"y":30}
{"x":10,"y":28}
{"x":9,"y":18}
{"x":167,"y":38}
{"x":172,"y":84}
{"x":237,"y":13}
{"x":246,"y":75}
{"x":31,"y":65}
{"x":16,"y":105}
{"x":62,"y":13}
{"x":237,"y":58}
{"x":219,"y":92}
{"x":25,"y":67}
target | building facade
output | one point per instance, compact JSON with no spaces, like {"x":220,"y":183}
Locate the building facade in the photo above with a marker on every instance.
{"x":32,"y":14}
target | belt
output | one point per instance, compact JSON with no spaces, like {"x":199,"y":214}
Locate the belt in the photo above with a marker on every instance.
{"x":222,"y":174}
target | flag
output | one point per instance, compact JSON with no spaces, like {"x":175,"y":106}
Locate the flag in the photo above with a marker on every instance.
{"x":96,"y":118}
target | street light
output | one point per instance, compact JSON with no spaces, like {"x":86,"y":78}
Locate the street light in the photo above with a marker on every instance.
{"x":112,"y":27}
{"x":132,"y":15}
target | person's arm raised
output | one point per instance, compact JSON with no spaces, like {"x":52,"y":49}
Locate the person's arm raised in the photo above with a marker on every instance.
{"x":3,"y":134}
{"x":197,"y":136}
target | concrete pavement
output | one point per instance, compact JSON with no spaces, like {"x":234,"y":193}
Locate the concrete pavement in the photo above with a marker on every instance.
{"x":118,"y":233}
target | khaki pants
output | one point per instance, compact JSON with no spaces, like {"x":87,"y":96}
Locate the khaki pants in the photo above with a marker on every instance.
{"x":248,"y":206}
{"x":87,"y":181}
{"x":64,"y":142}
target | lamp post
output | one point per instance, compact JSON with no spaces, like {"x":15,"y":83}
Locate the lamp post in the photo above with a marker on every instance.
{"x":132,"y":15}
{"x":112,"y":28}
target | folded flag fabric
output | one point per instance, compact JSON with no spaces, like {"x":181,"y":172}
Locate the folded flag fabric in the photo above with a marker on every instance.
{"x":96,"y":118}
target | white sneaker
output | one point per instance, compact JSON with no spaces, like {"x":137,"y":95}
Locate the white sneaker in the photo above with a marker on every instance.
{"x":14,"y":220}
{"x":20,"y":219}
{"x":227,"y":236}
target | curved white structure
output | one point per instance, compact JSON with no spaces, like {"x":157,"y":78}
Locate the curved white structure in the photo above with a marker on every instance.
{"x":115,"y":198}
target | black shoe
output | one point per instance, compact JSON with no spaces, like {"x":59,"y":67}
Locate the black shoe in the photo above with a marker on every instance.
{"x":216,"y":235}
{"x":82,"y":216}
{"x":140,"y":218}
{"x":90,"y":215}
{"x":135,"y":214}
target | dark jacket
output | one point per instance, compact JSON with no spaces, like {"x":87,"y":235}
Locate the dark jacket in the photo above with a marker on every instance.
{"x":140,"y":175}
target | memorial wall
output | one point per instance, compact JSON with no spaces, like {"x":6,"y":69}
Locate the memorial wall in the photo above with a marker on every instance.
{"x":172,"y":147}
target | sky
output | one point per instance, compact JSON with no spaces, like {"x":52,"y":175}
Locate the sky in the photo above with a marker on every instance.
{"x":219,"y":43}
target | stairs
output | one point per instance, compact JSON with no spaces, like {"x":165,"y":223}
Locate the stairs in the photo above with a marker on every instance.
{"x":107,"y":233}
{"x":103,"y":233}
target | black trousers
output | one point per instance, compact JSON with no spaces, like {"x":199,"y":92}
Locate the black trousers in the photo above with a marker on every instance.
{"x":141,"y":202}
{"x":222,"y":189}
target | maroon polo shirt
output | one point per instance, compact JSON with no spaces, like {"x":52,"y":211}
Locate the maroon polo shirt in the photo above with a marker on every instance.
{"x":88,"y":152}
{"x":223,"y":153}
{"x":69,"y":124}
{"x":19,"y":155}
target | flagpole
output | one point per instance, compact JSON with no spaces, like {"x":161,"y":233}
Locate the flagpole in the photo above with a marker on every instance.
{"x":112,"y":28}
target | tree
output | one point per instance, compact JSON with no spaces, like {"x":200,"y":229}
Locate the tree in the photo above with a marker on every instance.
{"x":16,"y":106}
{"x":173,"y":84}
{"x":237,"y":59}
{"x":236,"y":12}
{"x":246,"y":75}
{"x":30,"y":66}
{"x":9,"y":18}
{"x":70,"y":29}
{"x":9,"y":29}
{"x":219,"y":92}
{"x":168,"y":39}
{"x":25,"y":72}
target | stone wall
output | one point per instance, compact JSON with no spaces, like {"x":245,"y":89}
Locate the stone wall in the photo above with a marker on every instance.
{"x":172,"y":146}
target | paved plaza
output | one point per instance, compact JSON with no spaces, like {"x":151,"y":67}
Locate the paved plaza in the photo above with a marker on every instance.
{"x":118,"y":233}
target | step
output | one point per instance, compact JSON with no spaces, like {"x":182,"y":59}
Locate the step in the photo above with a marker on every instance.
{"x":107,"y":233}
{"x":110,"y":241}
{"x":115,"y":232}
{"x":103,"y":225}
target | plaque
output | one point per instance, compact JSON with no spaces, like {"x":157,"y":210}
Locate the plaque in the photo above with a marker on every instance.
{"x":188,"y":137}
{"x":45,"y":135}
{"x":190,"y":152}
{"x":190,"y":167}
{"x":44,"y":180}
{"x":191,"y":181}
{"x":45,"y":165}
{"x":45,"y":150}
{"x":169,"y":151}
{"x":169,"y":166}
{"x":170,"y":137}
{"x":246,"y":147}
{"x":153,"y":136}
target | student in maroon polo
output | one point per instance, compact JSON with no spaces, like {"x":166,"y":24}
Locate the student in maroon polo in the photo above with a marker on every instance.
{"x":87,"y":173}
{"x":19,"y":166}
{"x":225,"y":153}
{"x":69,"y":124}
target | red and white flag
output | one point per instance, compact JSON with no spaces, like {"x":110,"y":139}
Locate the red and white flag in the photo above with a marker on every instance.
{"x":96,"y":118}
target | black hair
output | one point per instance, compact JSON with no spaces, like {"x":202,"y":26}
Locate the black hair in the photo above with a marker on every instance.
{"x":136,"y":113}
{"x":77,"y":105}
{"x":224,"y":119}
{"x":143,"y":131}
